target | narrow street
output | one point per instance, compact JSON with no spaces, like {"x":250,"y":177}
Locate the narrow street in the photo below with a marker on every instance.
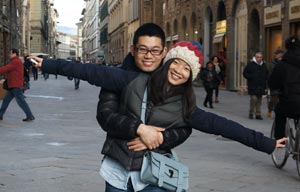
{"x":60,"y":150}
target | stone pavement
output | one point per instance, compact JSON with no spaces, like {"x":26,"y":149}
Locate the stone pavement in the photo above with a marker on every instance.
{"x":60,"y":150}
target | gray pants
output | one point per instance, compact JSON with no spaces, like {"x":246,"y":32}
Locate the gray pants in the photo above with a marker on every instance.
{"x":255,"y":105}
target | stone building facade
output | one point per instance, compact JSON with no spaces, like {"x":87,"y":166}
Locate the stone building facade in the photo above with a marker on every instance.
{"x":125,"y":16}
{"x":10,"y":24}
{"x":117,"y":30}
{"x":233,"y":29}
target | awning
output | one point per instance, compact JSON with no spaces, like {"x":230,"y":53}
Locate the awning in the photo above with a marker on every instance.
{"x":218,"y":38}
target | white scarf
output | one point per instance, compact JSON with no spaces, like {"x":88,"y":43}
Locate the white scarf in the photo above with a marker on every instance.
{"x":217,"y":68}
{"x":256,"y":61}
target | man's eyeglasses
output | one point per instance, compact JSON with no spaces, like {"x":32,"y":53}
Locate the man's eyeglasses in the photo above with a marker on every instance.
{"x":143,"y":50}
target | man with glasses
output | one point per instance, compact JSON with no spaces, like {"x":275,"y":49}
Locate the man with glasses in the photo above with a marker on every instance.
{"x":146,"y":55}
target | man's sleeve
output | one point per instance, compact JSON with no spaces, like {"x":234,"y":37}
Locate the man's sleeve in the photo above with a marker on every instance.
{"x":175,"y":136}
{"x":247,"y":73}
{"x":111,"y":120}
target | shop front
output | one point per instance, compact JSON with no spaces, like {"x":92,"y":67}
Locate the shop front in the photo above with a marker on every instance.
{"x":220,"y":37}
{"x":273,"y":29}
{"x":294,"y":17}
{"x":220,"y":41}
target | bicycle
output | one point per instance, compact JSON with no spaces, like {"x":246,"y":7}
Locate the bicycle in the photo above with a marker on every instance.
{"x":292,"y":146}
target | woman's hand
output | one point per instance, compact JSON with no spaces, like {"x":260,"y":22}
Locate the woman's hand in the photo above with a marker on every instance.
{"x":280,"y":143}
{"x":37,"y":62}
{"x":136,"y":144}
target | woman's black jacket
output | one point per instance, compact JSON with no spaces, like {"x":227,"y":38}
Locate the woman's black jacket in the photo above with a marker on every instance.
{"x":210,"y":78}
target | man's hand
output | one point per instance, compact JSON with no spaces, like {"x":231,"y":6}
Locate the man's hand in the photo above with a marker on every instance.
{"x":150,"y":135}
{"x":136,"y":144}
{"x":38,"y":60}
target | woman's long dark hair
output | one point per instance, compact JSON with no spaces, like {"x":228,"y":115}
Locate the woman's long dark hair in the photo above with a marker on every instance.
{"x":159,"y":93}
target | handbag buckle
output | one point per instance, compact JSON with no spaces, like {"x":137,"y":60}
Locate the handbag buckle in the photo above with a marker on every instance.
{"x":171,"y":172}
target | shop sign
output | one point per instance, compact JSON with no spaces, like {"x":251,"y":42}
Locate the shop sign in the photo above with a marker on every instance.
{"x":221,"y":27}
{"x":272,"y":14}
{"x":294,"y":9}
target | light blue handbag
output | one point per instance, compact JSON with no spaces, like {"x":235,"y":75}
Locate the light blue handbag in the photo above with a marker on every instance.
{"x":163,"y":170}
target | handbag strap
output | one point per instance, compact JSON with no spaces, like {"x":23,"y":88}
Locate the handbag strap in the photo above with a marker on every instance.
{"x":143,"y":115}
{"x":174,"y":154}
{"x":144,"y":106}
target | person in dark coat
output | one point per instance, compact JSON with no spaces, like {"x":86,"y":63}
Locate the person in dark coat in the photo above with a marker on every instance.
{"x":286,"y":78}
{"x":35,"y":74}
{"x":27,"y":68}
{"x":256,"y":73}
{"x":273,"y":100}
{"x":219,"y":68}
{"x":77,"y":81}
{"x":211,"y":81}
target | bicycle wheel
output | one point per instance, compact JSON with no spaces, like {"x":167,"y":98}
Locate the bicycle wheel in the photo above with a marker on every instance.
{"x":297,"y":148}
{"x":291,"y":133}
{"x":279,"y":155}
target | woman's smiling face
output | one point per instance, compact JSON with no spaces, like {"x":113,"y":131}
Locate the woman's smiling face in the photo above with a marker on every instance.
{"x":179,"y":72}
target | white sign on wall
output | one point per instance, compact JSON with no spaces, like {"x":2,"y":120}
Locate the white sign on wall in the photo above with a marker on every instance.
{"x":272,"y":14}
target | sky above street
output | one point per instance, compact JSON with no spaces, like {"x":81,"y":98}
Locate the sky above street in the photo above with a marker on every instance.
{"x":69,"y":12}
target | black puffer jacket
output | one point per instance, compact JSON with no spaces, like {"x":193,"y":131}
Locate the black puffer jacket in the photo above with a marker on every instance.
{"x":210,"y":78}
{"x":114,"y":123}
{"x":257,"y":76}
{"x":286,"y":78}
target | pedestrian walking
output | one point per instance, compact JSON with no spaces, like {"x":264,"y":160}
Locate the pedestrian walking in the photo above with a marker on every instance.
{"x":219,"y":69}
{"x":274,"y":93}
{"x":34,"y":73}
{"x":256,"y":73}
{"x":27,"y":69}
{"x":211,"y":81}
{"x":76,"y":80}
{"x":15,"y":81}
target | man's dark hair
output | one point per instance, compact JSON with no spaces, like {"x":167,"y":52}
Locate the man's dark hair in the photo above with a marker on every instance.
{"x":16,"y":51}
{"x":149,"y":29}
{"x":159,"y":91}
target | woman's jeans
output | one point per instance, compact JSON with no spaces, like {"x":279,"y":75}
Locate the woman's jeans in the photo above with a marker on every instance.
{"x":209,"y":95}
{"x":149,"y":188}
{"x":18,"y":95}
